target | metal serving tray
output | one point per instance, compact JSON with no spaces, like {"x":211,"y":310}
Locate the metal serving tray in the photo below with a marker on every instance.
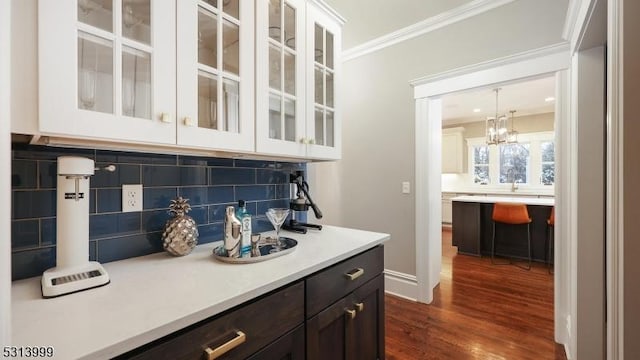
{"x":264,"y":247}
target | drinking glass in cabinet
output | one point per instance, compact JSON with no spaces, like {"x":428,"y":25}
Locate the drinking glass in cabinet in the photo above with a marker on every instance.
{"x":136,"y":83}
{"x":275,"y":29}
{"x":95,"y":73}
{"x":275,"y":117}
{"x":136,"y":20}
{"x":207,"y":38}
{"x":289,"y":73}
{"x":231,"y":103}
{"x":289,"y":26}
{"x":289,"y":120}
{"x":207,"y":100}
{"x":231,"y":47}
{"x":97,"y":13}
{"x":275,"y":70}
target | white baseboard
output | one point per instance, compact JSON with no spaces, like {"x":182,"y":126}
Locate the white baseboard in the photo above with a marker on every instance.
{"x":401,"y":284}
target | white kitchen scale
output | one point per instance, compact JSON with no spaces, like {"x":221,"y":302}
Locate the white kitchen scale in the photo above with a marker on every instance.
{"x":73,"y":272}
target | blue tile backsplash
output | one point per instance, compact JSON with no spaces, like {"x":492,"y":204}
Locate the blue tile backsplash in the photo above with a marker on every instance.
{"x":210,"y":183}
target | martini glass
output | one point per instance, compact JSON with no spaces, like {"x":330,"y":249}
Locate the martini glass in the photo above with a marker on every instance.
{"x":277,"y":216}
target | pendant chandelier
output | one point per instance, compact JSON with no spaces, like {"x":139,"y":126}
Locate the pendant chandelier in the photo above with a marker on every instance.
{"x":512,"y":136}
{"x":496,"y":127}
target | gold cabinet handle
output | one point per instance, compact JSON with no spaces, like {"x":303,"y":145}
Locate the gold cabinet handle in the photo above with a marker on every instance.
{"x":359,"y":306}
{"x":224,"y":348}
{"x":351,"y":314}
{"x":355,"y":273}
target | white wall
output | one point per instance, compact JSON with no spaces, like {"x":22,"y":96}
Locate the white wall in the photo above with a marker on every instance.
{"x":378,"y":115}
{"x":5,"y":175}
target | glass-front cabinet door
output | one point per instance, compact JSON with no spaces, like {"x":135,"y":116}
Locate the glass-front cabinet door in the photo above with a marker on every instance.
{"x":323,"y":118}
{"x":215,"y":60}
{"x":280,"y":77}
{"x":107,"y":69}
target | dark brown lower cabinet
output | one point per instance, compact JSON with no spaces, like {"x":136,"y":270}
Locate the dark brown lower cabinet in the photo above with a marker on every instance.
{"x":288,"y":347}
{"x":352,"y":328}
{"x":335,"y":313}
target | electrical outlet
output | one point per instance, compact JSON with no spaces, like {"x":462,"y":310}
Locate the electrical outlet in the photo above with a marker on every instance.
{"x":131,"y":198}
{"x":406,"y":187}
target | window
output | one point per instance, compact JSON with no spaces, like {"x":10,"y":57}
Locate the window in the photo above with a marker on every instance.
{"x":530,"y":162}
{"x":481,"y":164}
{"x":514,"y":163}
{"x":548,"y":171}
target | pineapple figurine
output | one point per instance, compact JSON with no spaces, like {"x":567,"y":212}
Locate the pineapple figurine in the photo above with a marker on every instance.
{"x":180,"y":234}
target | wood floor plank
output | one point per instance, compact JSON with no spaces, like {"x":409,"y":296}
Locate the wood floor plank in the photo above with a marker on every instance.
{"x":479,"y":311}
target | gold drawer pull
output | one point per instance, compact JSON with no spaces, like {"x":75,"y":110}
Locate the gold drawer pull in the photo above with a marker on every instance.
{"x":355,"y":273}
{"x":224,"y":348}
{"x":351,"y":314}
{"x":359,"y":306}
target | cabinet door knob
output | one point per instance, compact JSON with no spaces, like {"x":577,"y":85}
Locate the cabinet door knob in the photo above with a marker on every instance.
{"x":165,"y":118}
{"x":355,"y":273}
{"x":224,"y":348}
{"x":189,"y":121}
{"x":351,"y":314}
{"x":359,"y":306}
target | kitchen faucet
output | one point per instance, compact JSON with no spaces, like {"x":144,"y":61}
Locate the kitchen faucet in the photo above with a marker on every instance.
{"x":514,"y":183}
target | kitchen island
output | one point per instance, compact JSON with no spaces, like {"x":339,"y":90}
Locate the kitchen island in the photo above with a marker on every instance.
{"x":472,"y":227}
{"x":154,"y":296}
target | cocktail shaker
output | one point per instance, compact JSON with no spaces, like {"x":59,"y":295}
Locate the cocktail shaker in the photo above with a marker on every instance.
{"x":232,"y":232}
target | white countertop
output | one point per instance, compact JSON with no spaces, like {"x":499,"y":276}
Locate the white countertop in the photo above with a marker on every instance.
{"x":155,"y":295}
{"x":507,"y":199}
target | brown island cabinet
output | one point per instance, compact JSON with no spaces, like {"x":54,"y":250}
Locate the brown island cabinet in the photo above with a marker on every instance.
{"x":472,"y":227}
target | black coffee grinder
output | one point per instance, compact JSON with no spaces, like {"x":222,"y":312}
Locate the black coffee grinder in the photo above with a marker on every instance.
{"x":302,"y":202}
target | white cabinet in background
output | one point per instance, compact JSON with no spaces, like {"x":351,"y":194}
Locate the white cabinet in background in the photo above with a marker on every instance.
{"x":447,"y":209}
{"x":106,"y":69}
{"x":297,"y":60}
{"x":452,"y":150}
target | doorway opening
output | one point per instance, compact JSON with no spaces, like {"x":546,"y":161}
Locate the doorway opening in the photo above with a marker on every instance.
{"x":429,"y":94}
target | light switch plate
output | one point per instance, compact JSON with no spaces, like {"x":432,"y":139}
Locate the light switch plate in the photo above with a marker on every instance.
{"x":131,"y":198}
{"x":406,"y":187}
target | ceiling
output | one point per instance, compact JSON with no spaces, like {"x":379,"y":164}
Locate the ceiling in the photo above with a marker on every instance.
{"x":527,"y":98}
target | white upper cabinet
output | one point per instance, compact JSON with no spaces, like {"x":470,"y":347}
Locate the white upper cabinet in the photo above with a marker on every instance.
{"x":241,"y":76}
{"x":324,"y":128}
{"x":215,"y":74}
{"x":280,"y":77}
{"x":452,"y":150}
{"x":103,"y":68}
{"x":297,"y":59}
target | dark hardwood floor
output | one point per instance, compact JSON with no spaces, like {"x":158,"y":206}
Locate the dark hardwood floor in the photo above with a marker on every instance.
{"x":480,"y":311}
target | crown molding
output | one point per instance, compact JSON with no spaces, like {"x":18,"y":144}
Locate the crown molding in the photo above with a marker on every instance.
{"x":571,"y":19}
{"x":329,"y":10}
{"x":578,"y":17}
{"x":559,"y":48}
{"x":441,"y":20}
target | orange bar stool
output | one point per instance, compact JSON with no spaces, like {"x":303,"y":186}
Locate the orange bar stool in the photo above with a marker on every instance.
{"x":550,"y":238}
{"x":511,"y":214}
